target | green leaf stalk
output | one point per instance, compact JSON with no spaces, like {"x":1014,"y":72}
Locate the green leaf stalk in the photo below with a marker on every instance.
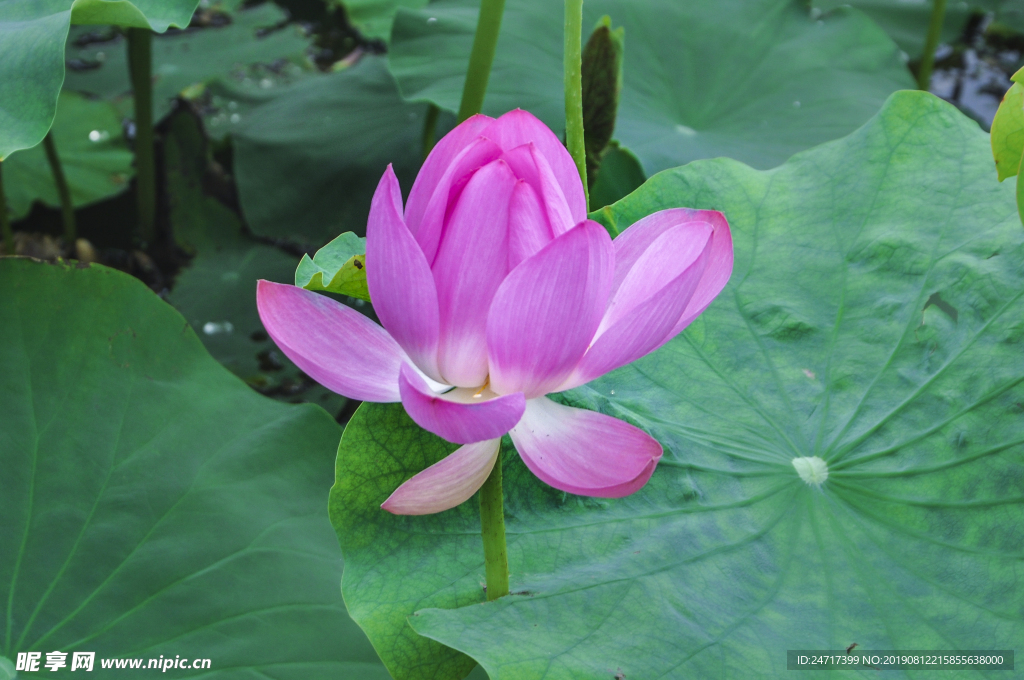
{"x":924,"y":72}
{"x":485,"y":42}
{"x":574,"y":136}
{"x":430,"y":129}
{"x":492,"y":528}
{"x":67,"y":210}
{"x":5,"y":220}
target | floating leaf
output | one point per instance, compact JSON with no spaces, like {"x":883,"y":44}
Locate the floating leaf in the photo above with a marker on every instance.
{"x":90,"y":143}
{"x":217,"y":291}
{"x":241,"y":51}
{"x":873,"y":320}
{"x":755,"y":80}
{"x":906,"y":21}
{"x":32,"y":34}
{"x":153,"y":503}
{"x":308,"y":160}
{"x":373,"y":18}
{"x":338,"y":267}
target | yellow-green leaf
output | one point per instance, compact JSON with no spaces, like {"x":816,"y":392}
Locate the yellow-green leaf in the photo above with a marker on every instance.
{"x":1008,"y":132}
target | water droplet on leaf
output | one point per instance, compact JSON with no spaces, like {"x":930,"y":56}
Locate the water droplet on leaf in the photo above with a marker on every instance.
{"x":214,"y":328}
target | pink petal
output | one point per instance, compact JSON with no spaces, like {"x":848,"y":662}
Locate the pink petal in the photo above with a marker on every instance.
{"x":583,"y":452}
{"x":716,"y":274}
{"x":398,"y":276}
{"x":449,"y":482}
{"x":547,"y":310}
{"x":640,"y":320}
{"x":519,"y":127}
{"x":528,"y":229}
{"x":471,"y":263}
{"x":631,"y":244}
{"x":668,"y":256}
{"x":528,"y":164}
{"x":437,"y":163}
{"x":336,"y":346}
{"x":457,"y":415}
{"x":428,"y":233}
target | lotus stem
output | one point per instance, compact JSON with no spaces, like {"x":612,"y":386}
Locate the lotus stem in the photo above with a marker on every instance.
{"x":67,"y":210}
{"x":485,"y":42}
{"x":430,"y":129}
{"x":140,"y":62}
{"x":5,"y":220}
{"x":924,"y":72}
{"x":492,"y":528}
{"x":574,"y":137}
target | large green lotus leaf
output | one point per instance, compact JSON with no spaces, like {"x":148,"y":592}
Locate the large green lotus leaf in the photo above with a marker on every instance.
{"x":32,"y":35}
{"x":397,"y":565}
{"x":183,"y":60}
{"x":873,"y":319}
{"x":309,"y":158}
{"x":154,"y":504}
{"x":90,"y":143}
{"x":216,"y":292}
{"x":373,"y":18}
{"x":756,"y":80}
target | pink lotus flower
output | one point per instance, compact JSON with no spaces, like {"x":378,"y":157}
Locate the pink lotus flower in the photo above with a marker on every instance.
{"x":495,"y":290}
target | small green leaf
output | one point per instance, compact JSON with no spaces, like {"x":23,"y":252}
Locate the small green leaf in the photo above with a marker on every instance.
{"x":338,"y":267}
{"x":602,"y":81}
{"x":153,"y":504}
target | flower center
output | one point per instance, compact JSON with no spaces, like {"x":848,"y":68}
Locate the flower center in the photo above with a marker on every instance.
{"x":480,"y":392}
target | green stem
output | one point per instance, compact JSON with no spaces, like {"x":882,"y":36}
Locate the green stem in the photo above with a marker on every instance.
{"x":574,"y":137}
{"x":140,"y":61}
{"x":67,"y":210}
{"x":492,"y":528}
{"x":924,"y":72}
{"x":5,"y":220}
{"x":485,"y":42}
{"x":430,"y":129}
